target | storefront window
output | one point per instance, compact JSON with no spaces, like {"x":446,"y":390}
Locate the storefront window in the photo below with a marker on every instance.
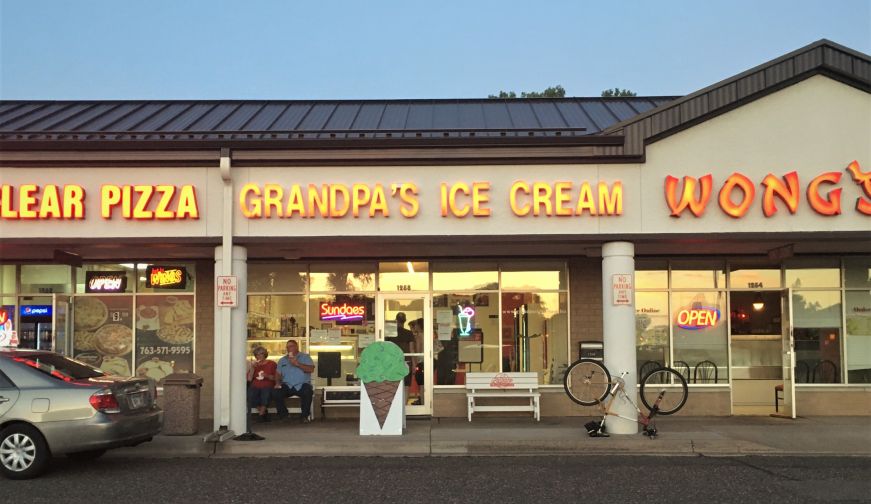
{"x":273,"y":319}
{"x":7,"y":279}
{"x":814,"y":273}
{"x":857,"y":272}
{"x":467,"y":331}
{"x":539,"y":275}
{"x":346,"y":277}
{"x":165,"y":278}
{"x":45,"y":279}
{"x":697,"y":275}
{"x":816,"y":319}
{"x":700,"y":335}
{"x":754,"y":278}
{"x":105,"y":278}
{"x":343,"y":324}
{"x":651,"y":275}
{"x":403,"y":276}
{"x":8,"y":320}
{"x":164,"y":335}
{"x":858,"y":309}
{"x":103,"y":332}
{"x":534,"y":334}
{"x":276,"y":277}
{"x":651,"y":328}
{"x":464,"y":276}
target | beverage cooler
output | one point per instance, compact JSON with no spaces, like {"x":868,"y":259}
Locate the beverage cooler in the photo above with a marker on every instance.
{"x":35,"y":327}
{"x":44,"y":323}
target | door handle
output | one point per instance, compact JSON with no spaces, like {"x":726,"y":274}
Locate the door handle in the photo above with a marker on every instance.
{"x":4,"y":399}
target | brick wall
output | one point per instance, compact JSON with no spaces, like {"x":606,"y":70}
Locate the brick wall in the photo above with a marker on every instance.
{"x":585,"y":292}
{"x":204,"y":360}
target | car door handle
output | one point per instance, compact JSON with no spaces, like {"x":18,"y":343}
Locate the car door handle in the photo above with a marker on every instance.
{"x":4,"y":399}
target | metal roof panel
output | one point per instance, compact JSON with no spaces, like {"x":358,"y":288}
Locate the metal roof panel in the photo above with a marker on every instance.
{"x":575,"y":116}
{"x":239,"y":117}
{"x":289,"y":119}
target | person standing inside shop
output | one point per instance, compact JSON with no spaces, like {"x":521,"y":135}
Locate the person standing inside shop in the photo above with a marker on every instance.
{"x":405,"y":340}
{"x":261,"y":377}
{"x":294,"y":379}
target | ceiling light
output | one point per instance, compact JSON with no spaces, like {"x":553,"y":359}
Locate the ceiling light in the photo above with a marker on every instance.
{"x":758,"y":302}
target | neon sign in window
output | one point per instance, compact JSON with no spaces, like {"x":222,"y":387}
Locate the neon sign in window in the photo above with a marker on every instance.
{"x":464,"y":319}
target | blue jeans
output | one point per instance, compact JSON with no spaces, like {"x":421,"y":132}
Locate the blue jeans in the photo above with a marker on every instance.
{"x":259,"y":396}
{"x":304,"y":392}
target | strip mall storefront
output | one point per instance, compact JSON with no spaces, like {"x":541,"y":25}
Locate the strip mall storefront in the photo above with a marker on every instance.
{"x":743,"y":213}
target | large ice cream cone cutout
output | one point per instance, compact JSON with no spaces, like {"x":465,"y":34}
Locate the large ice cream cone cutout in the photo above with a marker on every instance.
{"x":382,"y":369}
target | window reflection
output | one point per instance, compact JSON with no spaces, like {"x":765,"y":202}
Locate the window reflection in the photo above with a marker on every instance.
{"x":801,"y":276}
{"x":857,"y":272}
{"x":534,"y":334}
{"x":817,"y":333}
{"x":342,"y":277}
{"x":403,"y":276}
{"x":469,"y":342}
{"x":651,"y":328}
{"x":463,"y":276}
{"x":858,"y":309}
{"x":280,"y":277}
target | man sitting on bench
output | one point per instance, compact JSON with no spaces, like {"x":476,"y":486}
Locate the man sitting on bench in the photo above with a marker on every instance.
{"x":294,"y":379}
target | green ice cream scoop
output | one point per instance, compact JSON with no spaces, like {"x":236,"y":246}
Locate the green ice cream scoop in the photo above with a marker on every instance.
{"x":382,"y":361}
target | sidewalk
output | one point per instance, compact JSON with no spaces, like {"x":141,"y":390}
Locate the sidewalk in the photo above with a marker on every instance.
{"x":713,"y":436}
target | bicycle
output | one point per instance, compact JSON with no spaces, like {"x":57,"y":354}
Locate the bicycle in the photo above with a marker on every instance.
{"x":588,"y":382}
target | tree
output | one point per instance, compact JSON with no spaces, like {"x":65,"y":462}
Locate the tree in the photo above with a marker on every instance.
{"x":551,"y":92}
{"x":613,"y":93}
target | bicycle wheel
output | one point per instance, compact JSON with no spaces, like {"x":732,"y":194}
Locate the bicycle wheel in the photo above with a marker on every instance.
{"x":587,"y":382}
{"x":665,"y":389}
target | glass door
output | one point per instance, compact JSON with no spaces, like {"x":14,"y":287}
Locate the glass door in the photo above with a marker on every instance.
{"x":62,"y":325}
{"x":788,"y":345}
{"x":405,"y":319}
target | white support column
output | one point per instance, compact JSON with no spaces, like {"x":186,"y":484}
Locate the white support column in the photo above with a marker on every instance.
{"x":618,"y":324}
{"x":231,"y":334}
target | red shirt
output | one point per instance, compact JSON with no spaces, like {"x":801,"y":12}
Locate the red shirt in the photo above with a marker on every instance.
{"x":261,"y":370}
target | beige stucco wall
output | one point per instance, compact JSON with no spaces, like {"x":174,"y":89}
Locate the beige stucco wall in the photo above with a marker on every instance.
{"x":815,"y":126}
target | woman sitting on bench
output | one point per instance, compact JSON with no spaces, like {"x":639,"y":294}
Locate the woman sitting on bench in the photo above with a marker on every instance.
{"x":261,"y":376}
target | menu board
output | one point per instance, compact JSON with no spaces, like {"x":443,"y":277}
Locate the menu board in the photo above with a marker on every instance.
{"x":103,"y":332}
{"x":164,"y":335}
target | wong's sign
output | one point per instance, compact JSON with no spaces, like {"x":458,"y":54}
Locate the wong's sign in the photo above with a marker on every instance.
{"x":697,"y":317}
{"x":345,"y":313}
{"x":738,"y":192}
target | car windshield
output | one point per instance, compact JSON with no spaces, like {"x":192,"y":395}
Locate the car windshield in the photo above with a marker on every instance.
{"x":60,"y":367}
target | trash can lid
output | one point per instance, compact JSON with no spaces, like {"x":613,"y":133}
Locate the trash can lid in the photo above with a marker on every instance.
{"x":183,"y":379}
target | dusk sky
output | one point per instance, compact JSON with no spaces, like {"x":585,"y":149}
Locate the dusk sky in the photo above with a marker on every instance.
{"x":399,"y":49}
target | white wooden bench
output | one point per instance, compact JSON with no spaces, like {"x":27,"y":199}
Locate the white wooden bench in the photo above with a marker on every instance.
{"x":503,"y":385}
{"x":343,"y":396}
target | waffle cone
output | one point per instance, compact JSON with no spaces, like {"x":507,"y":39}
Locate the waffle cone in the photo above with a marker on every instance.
{"x":381,"y":396}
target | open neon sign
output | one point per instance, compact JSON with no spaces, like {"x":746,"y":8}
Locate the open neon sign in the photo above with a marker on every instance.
{"x":698,"y":317}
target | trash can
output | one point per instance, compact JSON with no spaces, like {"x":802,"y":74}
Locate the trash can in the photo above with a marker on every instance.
{"x":181,"y":404}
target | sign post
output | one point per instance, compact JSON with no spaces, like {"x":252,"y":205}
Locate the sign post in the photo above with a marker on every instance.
{"x":227,"y":291}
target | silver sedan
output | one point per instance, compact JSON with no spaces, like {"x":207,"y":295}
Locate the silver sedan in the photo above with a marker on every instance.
{"x":52,"y":405}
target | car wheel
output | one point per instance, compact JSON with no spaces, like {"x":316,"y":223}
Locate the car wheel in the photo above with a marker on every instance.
{"x":86,"y":455}
{"x":23,"y":452}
